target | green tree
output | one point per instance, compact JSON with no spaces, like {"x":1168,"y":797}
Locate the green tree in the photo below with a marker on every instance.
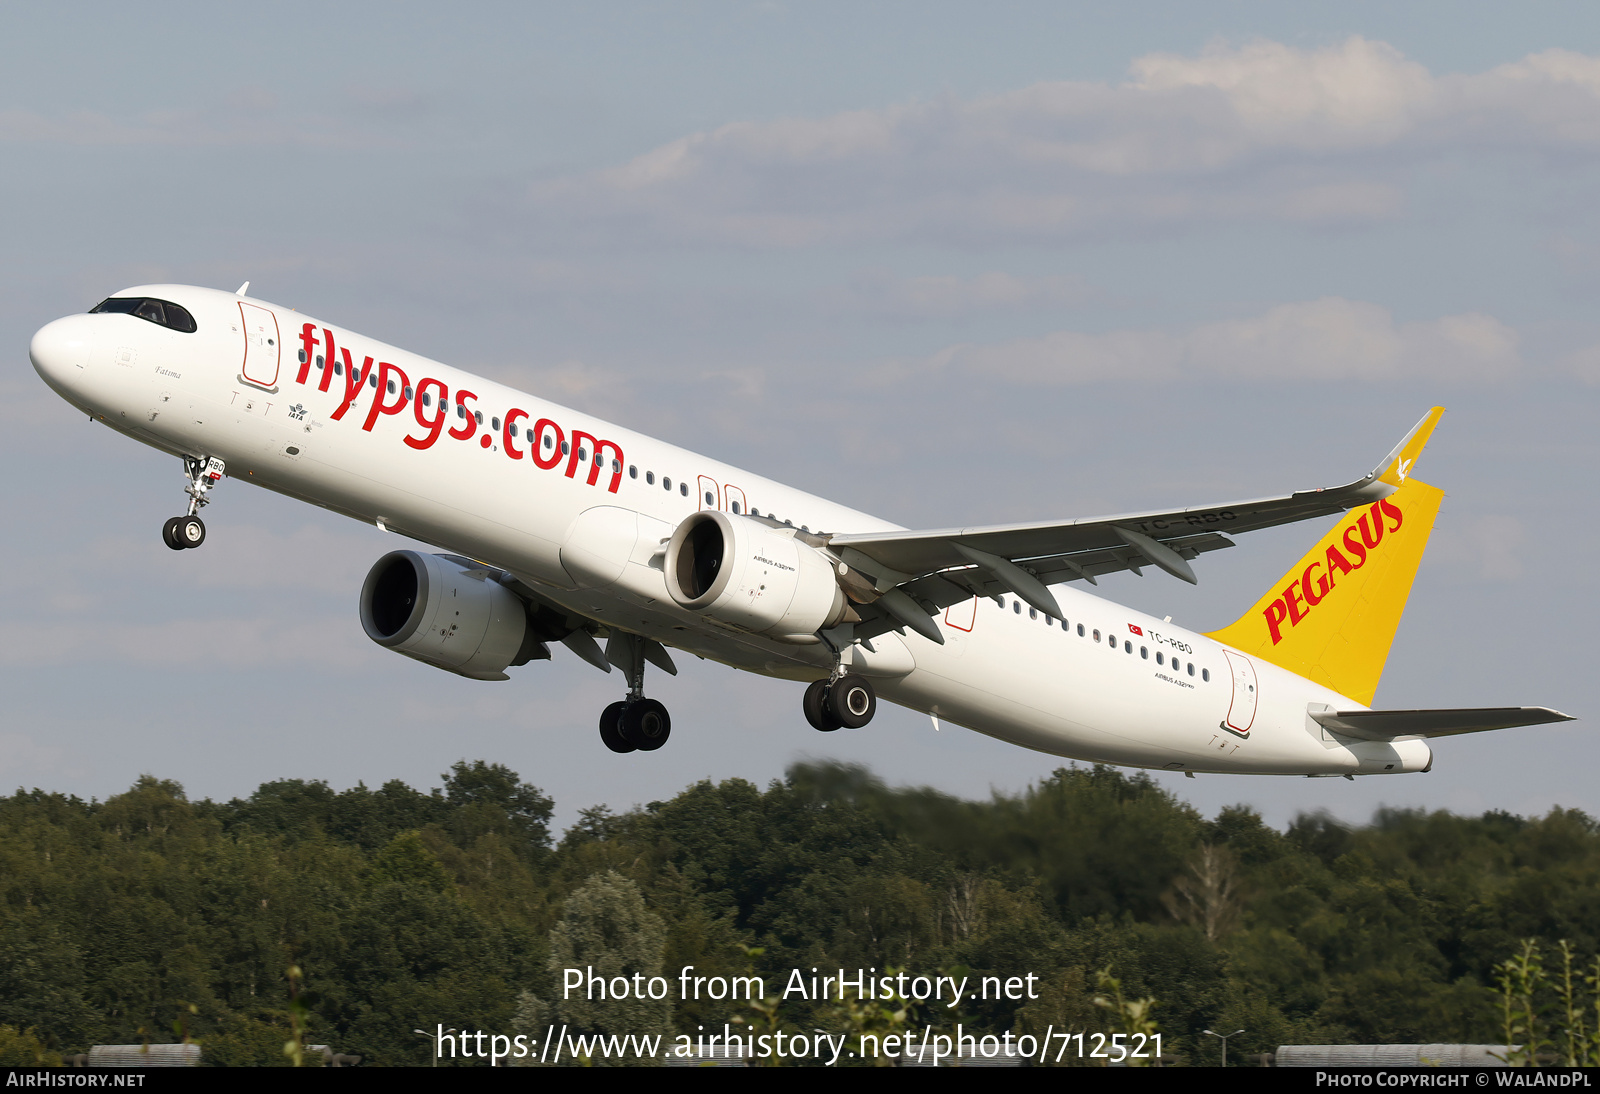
{"x":607,"y":930}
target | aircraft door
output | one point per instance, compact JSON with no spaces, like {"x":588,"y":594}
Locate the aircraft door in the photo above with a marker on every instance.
{"x":1242,"y":711}
{"x":962,"y":616}
{"x":733,"y":499}
{"x":260,"y":345}
{"x":710,"y":495}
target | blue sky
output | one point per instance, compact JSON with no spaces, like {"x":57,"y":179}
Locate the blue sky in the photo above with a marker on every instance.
{"x":944,"y":265}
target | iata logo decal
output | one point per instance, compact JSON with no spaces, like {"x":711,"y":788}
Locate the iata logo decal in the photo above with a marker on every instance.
{"x":548,"y":444}
{"x":1300,"y":597}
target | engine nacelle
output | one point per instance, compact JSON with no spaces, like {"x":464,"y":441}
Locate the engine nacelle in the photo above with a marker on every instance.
{"x":748,"y":575}
{"x":452,"y":616}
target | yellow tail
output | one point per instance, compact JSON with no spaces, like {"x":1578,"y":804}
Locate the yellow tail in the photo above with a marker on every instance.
{"x":1332,"y":618}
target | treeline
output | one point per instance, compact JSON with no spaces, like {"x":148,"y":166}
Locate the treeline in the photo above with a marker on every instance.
{"x":152,"y":917}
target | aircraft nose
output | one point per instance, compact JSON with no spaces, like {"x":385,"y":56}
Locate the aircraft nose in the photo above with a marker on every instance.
{"x":60,"y":350}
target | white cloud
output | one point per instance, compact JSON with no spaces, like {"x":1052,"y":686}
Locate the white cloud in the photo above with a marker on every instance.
{"x":192,"y":643}
{"x":949,"y":297}
{"x":1485,"y":548}
{"x":1262,"y":130}
{"x":1585,"y":365}
{"x":249,"y":117}
{"x":1327,"y":339}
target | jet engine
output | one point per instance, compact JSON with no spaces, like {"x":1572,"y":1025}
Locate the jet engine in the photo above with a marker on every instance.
{"x":450,"y":613}
{"x":740,"y":572}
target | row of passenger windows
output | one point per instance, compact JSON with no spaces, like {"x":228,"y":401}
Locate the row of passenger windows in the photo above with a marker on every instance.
{"x":1111,"y":640}
{"x":163,"y":313}
{"x":548,"y":441}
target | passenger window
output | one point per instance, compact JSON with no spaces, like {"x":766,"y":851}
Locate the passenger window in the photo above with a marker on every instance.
{"x":1144,"y":653}
{"x":650,"y":477}
{"x":302,"y":356}
{"x":736,"y":508}
{"x":1033,"y":613}
{"x":1205,"y":674}
{"x":1065,"y":627}
{"x":666,"y":482}
{"x":319,"y":362}
{"x":1127,"y":647}
{"x":477,"y":416}
{"x":408,"y":391}
{"x":495,"y":421}
{"x":338,"y":369}
{"x":1097,"y":635}
{"x":372,"y":382}
{"x":549,"y":441}
{"x":566,"y":449}
{"x":710,"y":498}
{"x":616,"y":467}
{"x":391,"y":385}
{"x":633,"y":471}
{"x":1191,"y":668}
{"x":683,"y":488}
{"x":461,"y":410}
{"x":1016,"y":606}
{"x":1080,"y":630}
{"x":1161,"y":658}
{"x":427,"y":400}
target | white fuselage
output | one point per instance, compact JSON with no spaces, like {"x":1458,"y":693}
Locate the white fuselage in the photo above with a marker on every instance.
{"x":1144,"y":693}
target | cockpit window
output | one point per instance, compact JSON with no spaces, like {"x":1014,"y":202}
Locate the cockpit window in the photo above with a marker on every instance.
{"x":163,"y":313}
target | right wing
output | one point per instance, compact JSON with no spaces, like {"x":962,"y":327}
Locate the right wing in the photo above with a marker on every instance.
{"x":914,"y":575}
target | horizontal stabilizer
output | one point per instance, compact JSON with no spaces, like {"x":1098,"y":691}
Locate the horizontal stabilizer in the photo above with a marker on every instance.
{"x":1386,"y":725}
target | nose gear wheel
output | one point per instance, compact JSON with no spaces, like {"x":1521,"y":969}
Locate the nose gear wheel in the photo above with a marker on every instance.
{"x":190,"y":531}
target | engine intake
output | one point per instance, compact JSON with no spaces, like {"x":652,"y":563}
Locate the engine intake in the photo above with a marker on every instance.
{"x":743,"y":573}
{"x":447,"y":613}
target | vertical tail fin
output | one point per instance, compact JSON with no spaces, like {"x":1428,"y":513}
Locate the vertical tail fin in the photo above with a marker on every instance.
{"x":1332,"y":618}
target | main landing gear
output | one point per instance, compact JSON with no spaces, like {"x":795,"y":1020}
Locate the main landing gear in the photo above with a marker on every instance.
{"x":180,"y":533}
{"x":846,"y":702}
{"x":635,"y":723}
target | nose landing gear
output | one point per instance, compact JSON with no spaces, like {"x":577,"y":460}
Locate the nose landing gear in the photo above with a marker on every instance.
{"x":180,"y":533}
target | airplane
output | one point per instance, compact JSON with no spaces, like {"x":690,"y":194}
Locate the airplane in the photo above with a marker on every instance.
{"x":556,"y":528}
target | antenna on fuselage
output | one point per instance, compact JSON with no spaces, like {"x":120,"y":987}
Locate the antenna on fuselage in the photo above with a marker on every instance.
{"x":243,"y":289}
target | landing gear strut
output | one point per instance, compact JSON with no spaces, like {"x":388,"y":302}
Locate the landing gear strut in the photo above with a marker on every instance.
{"x":844,"y":700}
{"x":183,"y":532}
{"x":636,"y":723}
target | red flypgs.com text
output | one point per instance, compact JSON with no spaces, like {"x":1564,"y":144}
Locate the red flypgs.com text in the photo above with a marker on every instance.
{"x":430,"y":404}
{"x":1301,"y":596}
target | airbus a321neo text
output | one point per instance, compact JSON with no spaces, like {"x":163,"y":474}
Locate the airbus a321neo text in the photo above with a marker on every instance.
{"x":559,"y":528}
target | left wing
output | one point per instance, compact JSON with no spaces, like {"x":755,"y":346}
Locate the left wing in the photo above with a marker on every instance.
{"x":914,"y":575}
